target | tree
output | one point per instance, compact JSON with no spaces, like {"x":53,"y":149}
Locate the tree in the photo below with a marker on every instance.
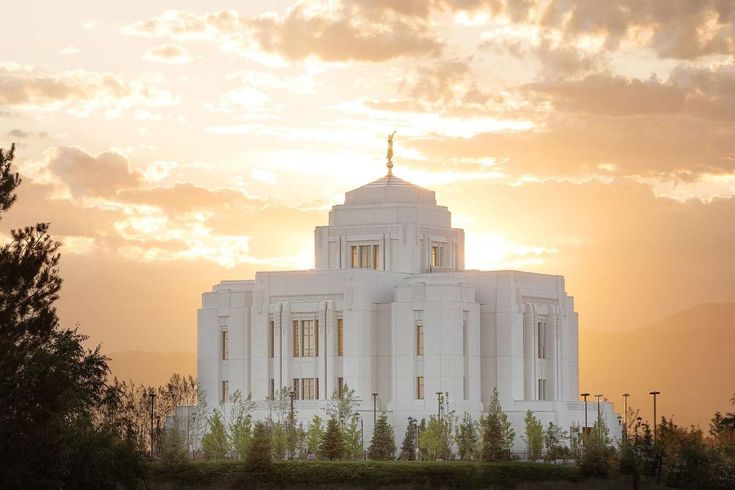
{"x":498,"y":433}
{"x":343,"y":404}
{"x":314,"y":435}
{"x":408,"y":446}
{"x":55,"y":402}
{"x":467,"y":437}
{"x":353,"y":439}
{"x":214,"y":442}
{"x":332,"y":446}
{"x":174,"y":449}
{"x":554,"y":438}
{"x":279,"y":441}
{"x":241,"y":436}
{"x":258,"y":455}
{"x":383,"y":444}
{"x":596,"y":453}
{"x":432,"y":440}
{"x":534,"y":436}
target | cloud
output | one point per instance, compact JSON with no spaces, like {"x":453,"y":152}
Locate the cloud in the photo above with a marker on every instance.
{"x":82,"y":92}
{"x":183,"y":25}
{"x":69,"y":50}
{"x":168,"y":53}
{"x":86,"y":175}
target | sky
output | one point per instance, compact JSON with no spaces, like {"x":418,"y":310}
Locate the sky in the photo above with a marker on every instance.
{"x":176,"y":144}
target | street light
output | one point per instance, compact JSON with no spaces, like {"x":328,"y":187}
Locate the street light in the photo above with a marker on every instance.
{"x":598,"y":406}
{"x":585,"y":395}
{"x":375,"y":410}
{"x":625,"y":414}
{"x":291,"y":424}
{"x":439,"y":396}
{"x":654,"y":393}
{"x":152,"y":398}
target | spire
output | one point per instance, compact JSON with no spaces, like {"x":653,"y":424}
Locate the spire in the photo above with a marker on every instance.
{"x":389,"y":155}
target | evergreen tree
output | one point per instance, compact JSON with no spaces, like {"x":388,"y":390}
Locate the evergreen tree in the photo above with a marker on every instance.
{"x":467,"y":437}
{"x":56,"y":407}
{"x":314,"y":435}
{"x":214,"y":443}
{"x":408,"y":446}
{"x":258,"y":456}
{"x":383,"y":445}
{"x":534,"y":436}
{"x":332,"y":446}
{"x":498,"y":434}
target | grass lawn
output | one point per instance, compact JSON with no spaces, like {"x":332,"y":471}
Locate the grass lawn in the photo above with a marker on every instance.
{"x":458,"y":474}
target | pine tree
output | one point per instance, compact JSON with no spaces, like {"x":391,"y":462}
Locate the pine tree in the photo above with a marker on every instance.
{"x":467,"y":437}
{"x":314,"y":435}
{"x":383,"y":445}
{"x":258,"y":456}
{"x":498,"y":432}
{"x":408,"y":446}
{"x":333,"y":444}
{"x":534,"y":436}
{"x":214,"y":443}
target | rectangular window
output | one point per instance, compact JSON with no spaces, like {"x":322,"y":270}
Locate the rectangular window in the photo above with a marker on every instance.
{"x":376,"y":257}
{"x":296,"y":343}
{"x":420,"y":388}
{"x":355,"y":257}
{"x":272,"y":389}
{"x":225,"y":345}
{"x":465,"y":353}
{"x":272,"y":339}
{"x":366,"y":257}
{"x":542,"y":389}
{"x":436,"y":256}
{"x":296,"y":389}
{"x":309,"y":336}
{"x":309,"y":388}
{"x":340,"y":337}
{"x":316,"y":388}
{"x":340,"y":386}
{"x":541,"y":341}
{"x":419,"y":339}
{"x":225,"y":392}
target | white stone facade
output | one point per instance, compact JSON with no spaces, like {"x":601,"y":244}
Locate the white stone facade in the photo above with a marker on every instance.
{"x":390,"y":272}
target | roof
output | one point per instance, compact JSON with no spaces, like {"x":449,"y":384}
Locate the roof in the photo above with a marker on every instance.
{"x":390,"y":190}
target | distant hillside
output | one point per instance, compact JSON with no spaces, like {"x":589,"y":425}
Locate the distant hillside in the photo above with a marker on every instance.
{"x":688,"y":357}
{"x":151,"y":368}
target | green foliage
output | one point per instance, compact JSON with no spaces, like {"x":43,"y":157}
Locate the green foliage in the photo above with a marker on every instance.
{"x":174,"y":450}
{"x":258,"y":455}
{"x":597,"y":454}
{"x":534,"y":436}
{"x":241,"y":435}
{"x":314,"y":435}
{"x":57,"y":411}
{"x":554,"y":441}
{"x":214,"y":443}
{"x":351,"y":474}
{"x":279,"y":441}
{"x":383,"y":444}
{"x":408,"y":446}
{"x":342,"y":405}
{"x":432,"y":440}
{"x":498,"y":434}
{"x":467,"y":438}
{"x":353,"y":439}
{"x":332,"y":446}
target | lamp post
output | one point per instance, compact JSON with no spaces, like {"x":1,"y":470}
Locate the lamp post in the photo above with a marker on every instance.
{"x":375,"y":410}
{"x":152,"y":398}
{"x":598,"y":406}
{"x":585,"y":395}
{"x":654,"y":393}
{"x":439,"y":396}
{"x":362,"y":436}
{"x":625,"y":414}
{"x":291,"y":424}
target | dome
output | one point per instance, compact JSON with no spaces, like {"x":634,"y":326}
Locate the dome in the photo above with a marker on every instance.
{"x":390,"y":190}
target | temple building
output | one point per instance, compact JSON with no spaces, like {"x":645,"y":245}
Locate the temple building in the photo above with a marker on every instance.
{"x":391,"y":311}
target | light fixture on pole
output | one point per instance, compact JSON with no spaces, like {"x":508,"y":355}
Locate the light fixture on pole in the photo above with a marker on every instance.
{"x":625,"y":414}
{"x":598,"y":406}
{"x":654,"y":393}
{"x":585,"y":395}
{"x":152,"y":397}
{"x":375,"y":410}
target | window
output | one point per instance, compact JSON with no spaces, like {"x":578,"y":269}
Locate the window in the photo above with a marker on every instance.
{"x":296,"y":350}
{"x":272,"y":390}
{"x":542,"y":389}
{"x":340,"y":337}
{"x":296,"y":389}
{"x":419,"y":321}
{"x":272,"y":339}
{"x":225,"y":345}
{"x":309,"y":388}
{"x":420,"y":388}
{"x":465,"y":352}
{"x":541,"y":340}
{"x":365,"y":256}
{"x":225,"y":397}
{"x":436,"y":256}
{"x":340,"y":386}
